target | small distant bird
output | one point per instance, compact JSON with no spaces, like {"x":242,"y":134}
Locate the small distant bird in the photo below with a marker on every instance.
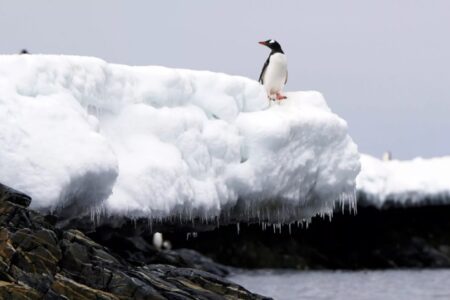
{"x":274,"y":73}
{"x":24,"y":51}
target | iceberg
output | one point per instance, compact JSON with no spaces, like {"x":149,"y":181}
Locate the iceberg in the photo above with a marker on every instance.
{"x":81,"y":135}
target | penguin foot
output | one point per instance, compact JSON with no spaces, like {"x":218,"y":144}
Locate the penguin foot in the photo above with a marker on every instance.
{"x":280,"y":97}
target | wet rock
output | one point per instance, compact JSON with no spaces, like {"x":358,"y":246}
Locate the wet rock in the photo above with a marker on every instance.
{"x":196,"y":283}
{"x":132,"y":286}
{"x":39,"y":261}
{"x":190,"y":259}
{"x":36,"y":251}
{"x":9,"y":290}
{"x":39,"y":282}
{"x":74,"y":290}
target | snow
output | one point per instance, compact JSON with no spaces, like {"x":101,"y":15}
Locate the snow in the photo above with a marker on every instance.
{"x":78,"y":134}
{"x":410,"y":182}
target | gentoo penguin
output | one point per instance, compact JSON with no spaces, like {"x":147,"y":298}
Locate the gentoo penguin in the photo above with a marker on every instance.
{"x":387,"y":156}
{"x":158,"y":240}
{"x":274,"y":73}
{"x":160,"y":243}
{"x":167,"y":245}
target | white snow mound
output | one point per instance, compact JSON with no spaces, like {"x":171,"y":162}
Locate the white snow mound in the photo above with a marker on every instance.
{"x":410,"y":182}
{"x":77,"y":132}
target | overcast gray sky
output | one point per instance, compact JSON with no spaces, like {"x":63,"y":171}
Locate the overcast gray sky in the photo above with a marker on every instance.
{"x":383,"y":65}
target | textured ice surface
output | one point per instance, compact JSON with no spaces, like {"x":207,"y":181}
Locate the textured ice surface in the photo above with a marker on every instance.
{"x":157,"y":142}
{"x":411,"y":182}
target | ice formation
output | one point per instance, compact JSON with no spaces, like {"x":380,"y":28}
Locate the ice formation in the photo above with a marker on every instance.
{"x":410,"y":182}
{"x":79,"y":133}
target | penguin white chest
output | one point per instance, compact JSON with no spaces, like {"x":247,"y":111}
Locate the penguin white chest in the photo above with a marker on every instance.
{"x":276,"y":73}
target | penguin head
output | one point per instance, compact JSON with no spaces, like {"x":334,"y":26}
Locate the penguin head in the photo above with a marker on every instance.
{"x":273,"y":45}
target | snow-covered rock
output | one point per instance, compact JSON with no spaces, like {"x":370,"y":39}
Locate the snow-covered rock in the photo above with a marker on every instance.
{"x":157,"y":142}
{"x":410,"y":182}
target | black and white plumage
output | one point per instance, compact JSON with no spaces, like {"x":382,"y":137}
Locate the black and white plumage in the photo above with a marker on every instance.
{"x":274,"y":73}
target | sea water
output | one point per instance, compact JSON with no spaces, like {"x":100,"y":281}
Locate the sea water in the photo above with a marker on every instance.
{"x":347,"y":285}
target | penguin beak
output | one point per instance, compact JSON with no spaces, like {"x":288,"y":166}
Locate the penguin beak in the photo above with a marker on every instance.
{"x":263,"y":43}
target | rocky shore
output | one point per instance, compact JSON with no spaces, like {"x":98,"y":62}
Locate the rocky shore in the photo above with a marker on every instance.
{"x":42,"y":257}
{"x":391,"y":237}
{"x":388,"y":238}
{"x":40,"y":261}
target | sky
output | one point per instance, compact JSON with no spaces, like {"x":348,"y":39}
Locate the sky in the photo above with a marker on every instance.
{"x":384,"y":65}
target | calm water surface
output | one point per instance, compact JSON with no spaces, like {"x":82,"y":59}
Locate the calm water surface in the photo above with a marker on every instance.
{"x":361,"y":285}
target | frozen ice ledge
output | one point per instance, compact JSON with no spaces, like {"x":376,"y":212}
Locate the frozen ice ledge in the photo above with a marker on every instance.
{"x":81,"y":135}
{"x":416,"y":182}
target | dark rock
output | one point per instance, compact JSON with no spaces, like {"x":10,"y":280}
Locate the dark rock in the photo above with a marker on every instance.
{"x":39,"y":261}
{"x":199,"y":283}
{"x":10,"y":290}
{"x":132,"y":286}
{"x":74,"y":290}
{"x":13,"y":215}
{"x":36,"y":251}
{"x":135,"y":247}
{"x":398,"y":237}
{"x":134,"y":244}
{"x":190,"y":259}
{"x":39,"y":282}
{"x":13,"y":196}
